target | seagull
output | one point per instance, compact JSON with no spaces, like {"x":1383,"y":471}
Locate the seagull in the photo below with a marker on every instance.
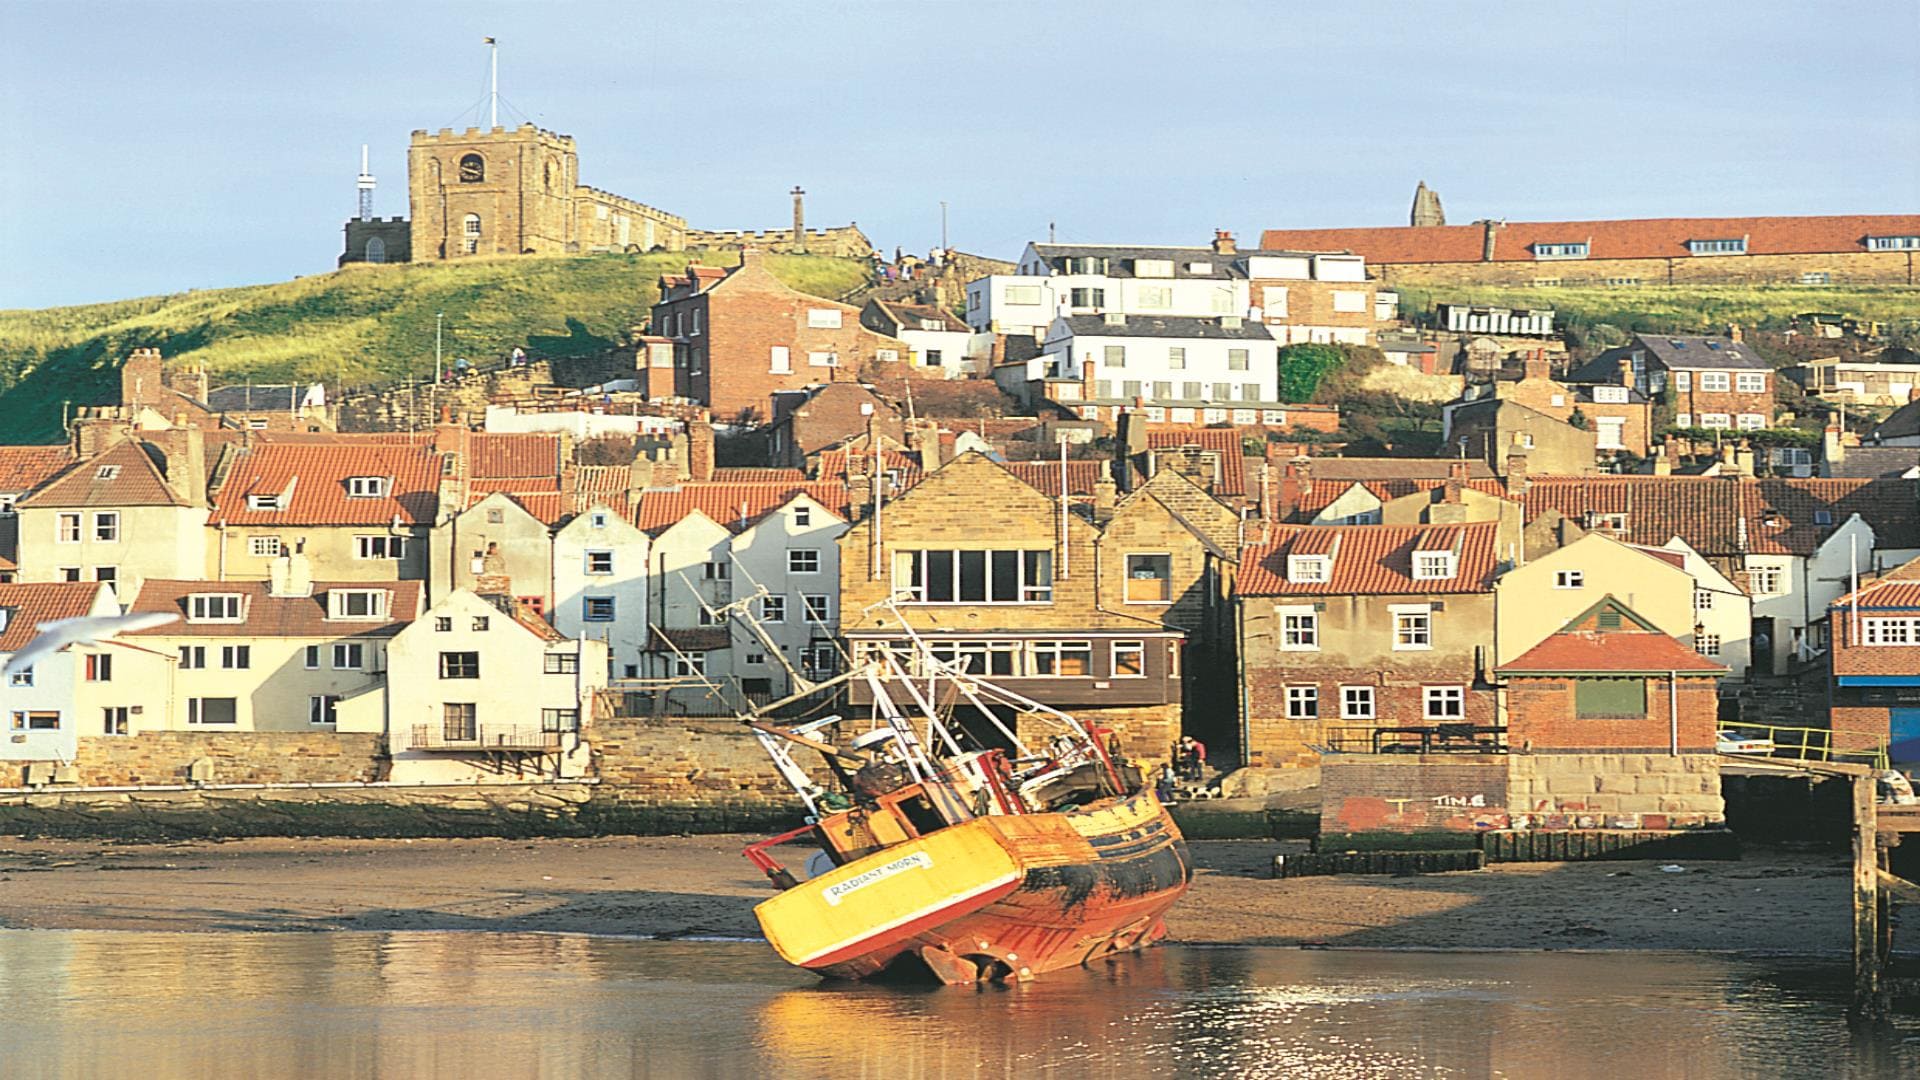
{"x":85,"y":630}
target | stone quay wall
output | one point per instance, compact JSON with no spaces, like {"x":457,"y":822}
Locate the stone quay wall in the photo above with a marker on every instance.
{"x":229,"y":757}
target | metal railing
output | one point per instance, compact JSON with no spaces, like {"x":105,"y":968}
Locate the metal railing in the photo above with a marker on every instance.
{"x":1811,"y":744}
{"x":1417,"y":739}
{"x":485,"y":737}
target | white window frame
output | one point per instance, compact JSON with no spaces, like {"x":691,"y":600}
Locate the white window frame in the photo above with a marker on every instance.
{"x":263,"y":547}
{"x":340,"y":600}
{"x":1882,"y":631}
{"x":1412,"y":627}
{"x":1569,"y":579}
{"x":1434,"y":565}
{"x":798,"y":560}
{"x":824,"y":319}
{"x":106,"y":526}
{"x":820,"y":613}
{"x":1135,"y":647}
{"x":216,"y":607}
{"x":1299,"y":628}
{"x":593,"y":555}
{"x":1303,"y":702}
{"x":773,"y":609}
{"x":379,"y":546}
{"x":779,"y":360}
{"x":1357,"y":703}
{"x":1715,"y":382}
{"x":366,"y":487}
{"x":1457,"y":695}
{"x":1309,"y":569}
{"x":349,"y":656}
{"x":69,"y":528}
{"x":1750,"y":382}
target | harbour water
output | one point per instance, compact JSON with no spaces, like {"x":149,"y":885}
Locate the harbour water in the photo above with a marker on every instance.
{"x":476,"y":1005}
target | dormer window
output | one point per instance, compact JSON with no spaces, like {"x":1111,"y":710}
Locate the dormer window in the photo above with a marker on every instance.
{"x":1610,"y":395}
{"x":366,"y":487}
{"x":1893,"y":243}
{"x":1084,"y":265}
{"x":1433,"y":565}
{"x":357,"y":603}
{"x":1308,"y":569}
{"x":1560,"y":251}
{"x":1718,"y":247}
{"x":213,"y":607}
{"x":1204,"y":269}
{"x":265,"y":502}
{"x":107,"y":472}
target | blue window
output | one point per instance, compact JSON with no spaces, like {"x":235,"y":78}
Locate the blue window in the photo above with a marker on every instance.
{"x":1718,"y":247}
{"x":1560,"y":251}
{"x":596,"y":608}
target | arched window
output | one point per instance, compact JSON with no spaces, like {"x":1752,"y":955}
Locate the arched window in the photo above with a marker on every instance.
{"x":549,"y":174}
{"x":473,"y":169}
{"x":376,"y":250}
{"x":470,"y":229}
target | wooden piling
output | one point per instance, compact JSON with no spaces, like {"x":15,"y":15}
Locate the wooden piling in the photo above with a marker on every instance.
{"x":1869,"y":999}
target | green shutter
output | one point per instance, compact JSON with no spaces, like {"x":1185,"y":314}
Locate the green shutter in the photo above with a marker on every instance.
{"x":1610,"y":698}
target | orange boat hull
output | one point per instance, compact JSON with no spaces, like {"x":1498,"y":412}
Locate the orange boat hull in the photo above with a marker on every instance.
{"x":1075,"y":887}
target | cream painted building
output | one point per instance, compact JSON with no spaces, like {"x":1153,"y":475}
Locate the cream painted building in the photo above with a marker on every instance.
{"x":80,"y":690}
{"x":119,"y":517}
{"x":1535,"y":601}
{"x":275,"y":655}
{"x":359,"y":511}
{"x":496,"y":531}
{"x":478,"y":695}
{"x":790,"y":560}
{"x":1722,"y":611}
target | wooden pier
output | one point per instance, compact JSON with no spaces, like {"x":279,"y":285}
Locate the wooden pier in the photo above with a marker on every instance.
{"x":1877,"y":829}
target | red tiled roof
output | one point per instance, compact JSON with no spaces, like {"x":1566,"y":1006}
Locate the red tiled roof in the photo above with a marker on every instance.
{"x":1615,"y":652}
{"x":28,"y":606}
{"x":512,"y":484}
{"x":263,"y":615}
{"x":1227,"y":442}
{"x":1370,"y":559}
{"x":759,"y":476}
{"x":135,"y":481}
{"x":1779,"y":514}
{"x":1900,"y":588}
{"x":546,"y":507}
{"x":1083,"y":477}
{"x":733,"y":506}
{"x":516,"y":455}
{"x":320,"y":494}
{"x":1316,"y":495}
{"x":24,"y":467}
{"x":602,"y":485}
{"x":537,"y":623}
{"x":1651,"y":238}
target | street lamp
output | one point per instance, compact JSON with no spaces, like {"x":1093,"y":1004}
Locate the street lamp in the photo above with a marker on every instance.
{"x":438,"y":318}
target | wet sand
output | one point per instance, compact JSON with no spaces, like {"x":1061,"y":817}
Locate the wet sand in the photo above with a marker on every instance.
{"x":1769,"y":902}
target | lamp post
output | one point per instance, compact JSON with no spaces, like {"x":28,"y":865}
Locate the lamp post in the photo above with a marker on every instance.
{"x":438,"y":318}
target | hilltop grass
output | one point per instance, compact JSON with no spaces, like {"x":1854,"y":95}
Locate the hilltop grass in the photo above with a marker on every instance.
{"x":1673,"y":309}
{"x":357,"y":326}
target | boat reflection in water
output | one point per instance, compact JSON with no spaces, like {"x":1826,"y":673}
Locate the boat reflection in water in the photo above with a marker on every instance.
{"x":508,"y":1006}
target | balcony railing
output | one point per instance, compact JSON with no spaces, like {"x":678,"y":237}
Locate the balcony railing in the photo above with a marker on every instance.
{"x":1435,"y":738}
{"x":485,"y":737}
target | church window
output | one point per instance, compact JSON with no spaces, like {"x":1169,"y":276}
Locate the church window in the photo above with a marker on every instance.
{"x":376,"y":250}
{"x":549,"y":177}
{"x":471,"y":228}
{"x":473,"y":169}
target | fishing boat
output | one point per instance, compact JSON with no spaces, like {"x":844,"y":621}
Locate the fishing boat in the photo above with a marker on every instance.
{"x":936,"y":852}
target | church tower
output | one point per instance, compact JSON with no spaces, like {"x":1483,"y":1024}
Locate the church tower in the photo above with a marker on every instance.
{"x":500,"y":191}
{"x":1426,"y":207}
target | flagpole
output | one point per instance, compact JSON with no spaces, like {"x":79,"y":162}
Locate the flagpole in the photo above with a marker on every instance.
{"x":493,"y":84}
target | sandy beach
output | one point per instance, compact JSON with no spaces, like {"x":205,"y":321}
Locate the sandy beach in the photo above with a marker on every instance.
{"x":1768,"y":902}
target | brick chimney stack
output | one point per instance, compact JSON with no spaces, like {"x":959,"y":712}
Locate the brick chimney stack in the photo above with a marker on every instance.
{"x":700,"y":450}
{"x":1223,"y":243}
{"x":185,"y":449}
{"x":1516,"y":474}
{"x":1536,"y":365}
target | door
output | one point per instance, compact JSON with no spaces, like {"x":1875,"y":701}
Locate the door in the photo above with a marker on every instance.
{"x":1904,"y":730}
{"x":1762,"y":646}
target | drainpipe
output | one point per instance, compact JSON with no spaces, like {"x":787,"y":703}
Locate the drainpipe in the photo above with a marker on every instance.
{"x":1673,"y":714}
{"x":221,"y":575}
{"x":1240,"y":677}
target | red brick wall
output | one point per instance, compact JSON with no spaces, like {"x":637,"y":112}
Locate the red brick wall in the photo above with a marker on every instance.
{"x":1732,"y":402}
{"x":1412,"y":793}
{"x":1850,"y":658}
{"x":1540,"y":716}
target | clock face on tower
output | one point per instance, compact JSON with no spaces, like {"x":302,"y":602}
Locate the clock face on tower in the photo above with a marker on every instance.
{"x":472,"y":169}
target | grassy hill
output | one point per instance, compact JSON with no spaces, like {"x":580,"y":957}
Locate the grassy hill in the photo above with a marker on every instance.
{"x":1676,"y":308}
{"x":360,"y":325}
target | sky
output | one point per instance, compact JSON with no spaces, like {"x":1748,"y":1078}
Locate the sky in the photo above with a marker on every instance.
{"x":164,"y":146}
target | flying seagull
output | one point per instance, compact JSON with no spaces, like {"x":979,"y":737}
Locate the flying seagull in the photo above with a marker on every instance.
{"x":85,"y":630}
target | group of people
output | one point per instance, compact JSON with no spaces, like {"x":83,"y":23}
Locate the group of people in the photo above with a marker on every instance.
{"x":1189,"y":766}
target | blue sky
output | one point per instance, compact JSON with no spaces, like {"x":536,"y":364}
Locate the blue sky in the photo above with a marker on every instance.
{"x":164,"y":146}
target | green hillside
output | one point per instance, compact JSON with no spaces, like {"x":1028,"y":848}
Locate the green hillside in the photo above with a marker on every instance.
{"x":361,"y":325}
{"x":1676,"y":308}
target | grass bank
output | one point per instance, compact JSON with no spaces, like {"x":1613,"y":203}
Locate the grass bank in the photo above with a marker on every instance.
{"x":1676,"y":308}
{"x":359,"y":325}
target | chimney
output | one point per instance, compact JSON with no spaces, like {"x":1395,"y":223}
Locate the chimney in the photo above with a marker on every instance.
{"x":1296,"y":479}
{"x":1456,"y":482}
{"x":193,"y":383}
{"x":923,"y":437}
{"x":1491,"y":233}
{"x":185,"y":449}
{"x":290,"y":575}
{"x":1105,"y":494}
{"x":1536,"y":365}
{"x":140,"y":380}
{"x":750,"y":256}
{"x":1743,"y":458}
{"x":1086,"y":379}
{"x":449,"y":437}
{"x":1734,"y":332}
{"x":799,"y":221}
{"x":1832,"y":449}
{"x":1626,"y":373}
{"x":639,"y":476}
{"x":1266,"y":492}
{"x":1516,"y":474}
{"x":1662,"y":459}
{"x":700,"y":450}
{"x":1223,"y":243}
{"x":1727,"y":467}
{"x":492,"y":580}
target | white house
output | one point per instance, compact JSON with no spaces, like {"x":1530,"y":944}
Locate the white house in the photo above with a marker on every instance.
{"x":80,"y":690}
{"x":1165,"y":360}
{"x":1722,"y":611}
{"x":478,"y":694}
{"x":935,"y":339}
{"x":600,"y":585}
{"x":790,"y":560}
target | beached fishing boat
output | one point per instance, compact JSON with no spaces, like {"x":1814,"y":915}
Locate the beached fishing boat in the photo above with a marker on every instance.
{"x":937,"y":852}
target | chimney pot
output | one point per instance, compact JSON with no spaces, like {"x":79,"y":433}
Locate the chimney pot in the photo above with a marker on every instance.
{"x":1223,"y":243}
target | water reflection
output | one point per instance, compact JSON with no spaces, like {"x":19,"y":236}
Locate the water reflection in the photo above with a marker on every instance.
{"x":505,"y":1005}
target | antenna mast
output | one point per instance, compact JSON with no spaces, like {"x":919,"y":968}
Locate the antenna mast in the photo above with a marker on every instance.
{"x":493,"y":84}
{"x":366,"y":187}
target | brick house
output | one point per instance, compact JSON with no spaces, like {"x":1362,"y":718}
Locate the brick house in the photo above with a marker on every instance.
{"x":1716,"y":382}
{"x":741,"y":335}
{"x":1366,"y":626}
{"x":989,"y":570}
{"x":810,"y":421}
{"x":1618,"y":416}
{"x":1876,"y":664}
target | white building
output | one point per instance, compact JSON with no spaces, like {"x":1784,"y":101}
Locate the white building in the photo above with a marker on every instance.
{"x":80,"y":690}
{"x":1722,"y":612}
{"x":1167,"y":361}
{"x":790,"y":559}
{"x":476,"y":694}
{"x":935,"y":339}
{"x":600,"y":585}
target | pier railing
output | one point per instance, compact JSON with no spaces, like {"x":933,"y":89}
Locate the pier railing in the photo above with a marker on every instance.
{"x":1808,"y":744}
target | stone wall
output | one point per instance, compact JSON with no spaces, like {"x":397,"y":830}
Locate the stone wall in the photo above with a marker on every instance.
{"x":686,"y":774}
{"x":1855,"y":268}
{"x":417,"y":406}
{"x":1410,"y":793}
{"x":1615,"y":791}
{"x":234,"y":757}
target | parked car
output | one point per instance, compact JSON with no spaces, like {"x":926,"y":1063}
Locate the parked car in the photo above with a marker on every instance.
{"x":1732,"y":742}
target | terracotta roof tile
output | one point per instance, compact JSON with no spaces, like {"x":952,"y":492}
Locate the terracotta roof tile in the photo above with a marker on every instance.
{"x":123,"y":475}
{"x":537,"y":623}
{"x":1617,"y":652}
{"x":24,"y":467}
{"x":1371,"y":559}
{"x":733,"y":506}
{"x":547,"y":507}
{"x":263,"y":615}
{"x":1899,"y":588}
{"x":1781,"y":515}
{"x":689,"y":639}
{"x":600,"y":485}
{"x":515,"y":455}
{"x":489,"y":484}
{"x":1651,"y":238}
{"x":319,"y":473}
{"x":832,"y":465}
{"x":27,"y":606}
{"x":1083,"y":477}
{"x":759,"y":476}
